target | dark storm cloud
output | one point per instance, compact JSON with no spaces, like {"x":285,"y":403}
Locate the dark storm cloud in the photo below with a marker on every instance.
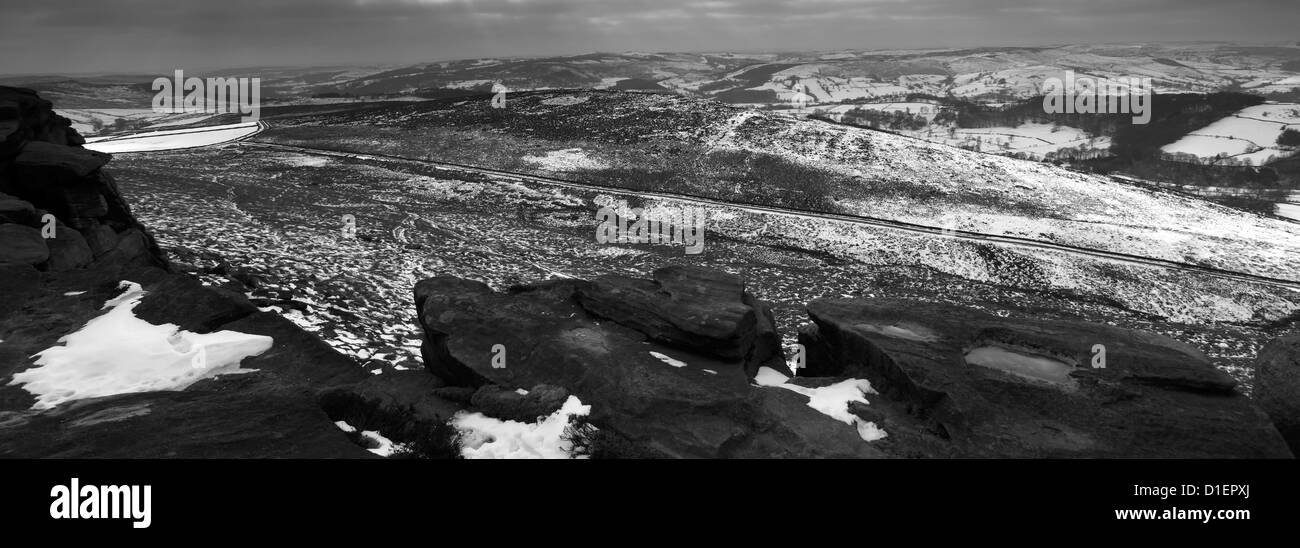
{"x":156,"y":35}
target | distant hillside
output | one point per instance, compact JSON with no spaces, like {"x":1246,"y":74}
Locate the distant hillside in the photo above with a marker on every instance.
{"x":980,"y":74}
{"x":698,"y":147}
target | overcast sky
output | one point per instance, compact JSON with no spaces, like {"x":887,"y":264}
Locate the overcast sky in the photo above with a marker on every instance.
{"x":152,"y":36}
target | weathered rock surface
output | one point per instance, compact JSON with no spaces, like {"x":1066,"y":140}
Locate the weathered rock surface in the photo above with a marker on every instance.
{"x":183,"y":300}
{"x":702,"y":406}
{"x":68,"y":249}
{"x":702,"y":310}
{"x":22,"y":245}
{"x":13,"y":210}
{"x":1277,"y":386}
{"x":272,"y":412}
{"x":27,"y":117}
{"x":974,"y":385}
{"x":507,"y":404}
{"x":401,"y":405}
{"x":59,"y":162}
{"x":44,"y":170}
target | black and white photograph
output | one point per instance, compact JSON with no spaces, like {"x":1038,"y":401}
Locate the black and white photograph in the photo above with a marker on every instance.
{"x":955,"y":236}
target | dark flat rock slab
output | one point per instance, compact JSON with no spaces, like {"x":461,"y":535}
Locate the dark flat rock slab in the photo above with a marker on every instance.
{"x":993,"y":387}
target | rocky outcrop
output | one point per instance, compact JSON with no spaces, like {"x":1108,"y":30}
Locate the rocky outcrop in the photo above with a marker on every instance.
{"x":25,"y":117}
{"x":703,"y":310}
{"x":651,"y":373}
{"x":972,"y":384}
{"x":67,"y":239}
{"x":665,"y":364}
{"x":60,"y":210}
{"x":1277,"y":386}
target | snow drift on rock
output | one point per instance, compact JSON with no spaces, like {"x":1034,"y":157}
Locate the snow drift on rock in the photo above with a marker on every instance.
{"x":489,"y":438}
{"x":118,"y":353}
{"x":832,"y":401}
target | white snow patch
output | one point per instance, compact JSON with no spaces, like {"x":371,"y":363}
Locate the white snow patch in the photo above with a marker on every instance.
{"x":73,"y":293}
{"x":569,"y":159}
{"x":769,"y":377}
{"x":565,"y":100}
{"x":668,"y":360}
{"x":868,"y":431}
{"x":382,"y":446}
{"x":304,"y":160}
{"x":118,"y":353}
{"x":490,"y":438}
{"x":832,"y":401}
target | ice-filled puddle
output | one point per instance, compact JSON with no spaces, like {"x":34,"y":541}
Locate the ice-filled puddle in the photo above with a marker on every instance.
{"x":1025,"y":365}
{"x":903,"y":330}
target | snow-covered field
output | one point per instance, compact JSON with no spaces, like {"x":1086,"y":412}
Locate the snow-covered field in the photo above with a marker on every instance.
{"x":1035,"y":139}
{"x":572,"y":159}
{"x":979,"y":193}
{"x":926,"y":110}
{"x":84,"y":120}
{"x":1248,"y":137}
{"x":173,"y":139}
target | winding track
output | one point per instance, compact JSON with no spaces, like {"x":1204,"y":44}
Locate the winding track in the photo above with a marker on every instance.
{"x":888,"y":224}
